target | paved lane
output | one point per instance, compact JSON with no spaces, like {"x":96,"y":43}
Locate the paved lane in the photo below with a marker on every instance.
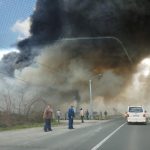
{"x":103,"y":135}
{"x":83,"y":137}
{"x":129,"y":137}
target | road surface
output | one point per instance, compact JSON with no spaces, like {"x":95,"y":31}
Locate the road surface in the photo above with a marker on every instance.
{"x":100,"y":135}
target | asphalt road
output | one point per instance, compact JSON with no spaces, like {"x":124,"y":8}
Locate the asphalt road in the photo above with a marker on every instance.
{"x":103,"y":135}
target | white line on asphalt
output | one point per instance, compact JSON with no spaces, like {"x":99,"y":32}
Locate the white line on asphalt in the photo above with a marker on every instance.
{"x":106,"y":138}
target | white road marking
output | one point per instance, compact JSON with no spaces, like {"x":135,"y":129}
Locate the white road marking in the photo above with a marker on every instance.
{"x":106,"y":138}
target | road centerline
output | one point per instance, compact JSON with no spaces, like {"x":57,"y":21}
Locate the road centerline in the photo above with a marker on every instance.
{"x":106,"y":138}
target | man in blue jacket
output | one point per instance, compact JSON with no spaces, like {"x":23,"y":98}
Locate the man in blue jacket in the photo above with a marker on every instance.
{"x":71,"y":115}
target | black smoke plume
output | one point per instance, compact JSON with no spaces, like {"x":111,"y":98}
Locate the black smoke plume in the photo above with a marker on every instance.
{"x":128,"y":20}
{"x":46,"y":28}
{"x":55,"y":20}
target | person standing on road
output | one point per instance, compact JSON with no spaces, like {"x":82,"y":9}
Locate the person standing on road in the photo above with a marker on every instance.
{"x":82,"y":115}
{"x":105,"y":113}
{"x":58,"y":115}
{"x":101,"y":115}
{"x":47,"y":116}
{"x":87,"y":114}
{"x":71,"y":115}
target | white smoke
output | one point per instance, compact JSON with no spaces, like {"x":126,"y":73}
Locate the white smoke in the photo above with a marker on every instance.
{"x":55,"y":77}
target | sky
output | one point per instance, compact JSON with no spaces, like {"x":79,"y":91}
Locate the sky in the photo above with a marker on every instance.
{"x":14,"y":22}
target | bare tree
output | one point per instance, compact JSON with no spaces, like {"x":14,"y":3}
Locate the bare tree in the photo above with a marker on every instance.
{"x":33,"y":102}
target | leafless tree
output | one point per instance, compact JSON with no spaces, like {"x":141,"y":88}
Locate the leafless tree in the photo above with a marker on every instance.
{"x":33,"y":102}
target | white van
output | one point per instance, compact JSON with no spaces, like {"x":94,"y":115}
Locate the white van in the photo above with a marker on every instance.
{"x":136,"y":114}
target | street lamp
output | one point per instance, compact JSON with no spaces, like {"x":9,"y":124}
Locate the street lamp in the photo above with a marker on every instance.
{"x":100,"y":38}
{"x":91,"y":99}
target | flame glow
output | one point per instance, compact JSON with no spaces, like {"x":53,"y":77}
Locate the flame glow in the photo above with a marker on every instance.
{"x":145,"y":67}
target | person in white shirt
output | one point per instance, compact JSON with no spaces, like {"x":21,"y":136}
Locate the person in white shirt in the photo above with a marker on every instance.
{"x":82,"y":115}
{"x":58,"y":115}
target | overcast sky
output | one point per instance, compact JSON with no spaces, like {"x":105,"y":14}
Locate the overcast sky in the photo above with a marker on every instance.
{"x":14,"y":21}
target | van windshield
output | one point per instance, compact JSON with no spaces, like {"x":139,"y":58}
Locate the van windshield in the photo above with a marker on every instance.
{"x":135,"y":109}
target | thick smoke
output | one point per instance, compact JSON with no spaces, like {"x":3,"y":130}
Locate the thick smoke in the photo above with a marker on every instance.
{"x":128,"y":20}
{"x":65,"y":77}
{"x":66,"y":65}
{"x":8,"y":63}
{"x":46,"y":27}
{"x":53,"y":20}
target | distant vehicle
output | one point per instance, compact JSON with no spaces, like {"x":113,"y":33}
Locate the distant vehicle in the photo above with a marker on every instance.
{"x":136,"y":114}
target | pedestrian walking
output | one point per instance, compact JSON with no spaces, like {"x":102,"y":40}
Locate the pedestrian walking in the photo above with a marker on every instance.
{"x":87,"y":114}
{"x":82,"y":115}
{"x":58,"y":115}
{"x":71,"y":115}
{"x":47,"y":116}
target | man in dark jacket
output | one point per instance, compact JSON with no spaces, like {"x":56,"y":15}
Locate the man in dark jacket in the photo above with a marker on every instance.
{"x":70,"y":117}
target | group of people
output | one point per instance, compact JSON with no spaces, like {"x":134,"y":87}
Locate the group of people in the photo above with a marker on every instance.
{"x":48,"y":114}
{"x":71,"y":115}
{"x":84,"y":115}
